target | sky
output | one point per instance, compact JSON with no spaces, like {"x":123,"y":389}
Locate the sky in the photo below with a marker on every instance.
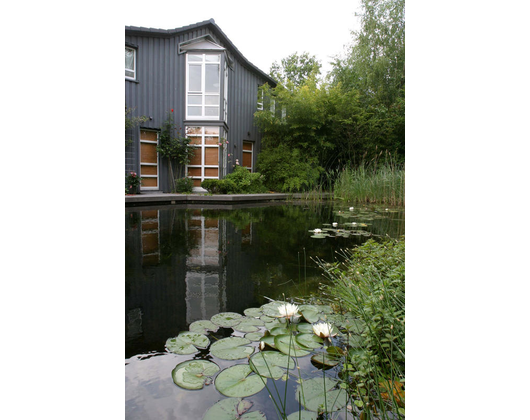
{"x":263,"y":32}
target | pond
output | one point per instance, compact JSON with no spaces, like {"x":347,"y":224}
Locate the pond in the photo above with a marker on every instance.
{"x":185,"y":264}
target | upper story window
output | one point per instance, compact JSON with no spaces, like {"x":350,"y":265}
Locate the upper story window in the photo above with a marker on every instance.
{"x":203,"y":86}
{"x":130,"y":63}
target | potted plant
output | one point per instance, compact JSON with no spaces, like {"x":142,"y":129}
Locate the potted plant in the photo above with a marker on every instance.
{"x":132,"y":183}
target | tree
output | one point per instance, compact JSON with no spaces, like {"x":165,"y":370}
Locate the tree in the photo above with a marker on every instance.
{"x":175,"y":147}
{"x":296,"y":69}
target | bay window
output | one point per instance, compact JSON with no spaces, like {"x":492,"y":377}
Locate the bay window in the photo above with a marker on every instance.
{"x":203,"y":86}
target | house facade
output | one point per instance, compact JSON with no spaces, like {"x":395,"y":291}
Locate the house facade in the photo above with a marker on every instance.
{"x":210,"y":89}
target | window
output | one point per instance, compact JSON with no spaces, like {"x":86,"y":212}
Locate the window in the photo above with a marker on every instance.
{"x":203,"y":86}
{"x":130,"y":63}
{"x":204,"y":163}
{"x":248,"y":148}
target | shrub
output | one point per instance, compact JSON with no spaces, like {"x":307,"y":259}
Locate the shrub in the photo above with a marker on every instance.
{"x":288,"y":170}
{"x":218,"y":186}
{"x":241,"y":181}
{"x":184,"y":185}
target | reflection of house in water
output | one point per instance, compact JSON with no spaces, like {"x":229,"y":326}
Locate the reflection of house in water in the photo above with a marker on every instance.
{"x":205,"y":276}
{"x":182,"y":266}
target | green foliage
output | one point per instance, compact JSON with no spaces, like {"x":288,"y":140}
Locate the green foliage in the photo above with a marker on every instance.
{"x":132,"y":182}
{"x":288,"y":170}
{"x":296,"y":69}
{"x":241,"y":181}
{"x":370,"y":285}
{"x":172,"y":144}
{"x":184,"y":185}
{"x":358,"y":113}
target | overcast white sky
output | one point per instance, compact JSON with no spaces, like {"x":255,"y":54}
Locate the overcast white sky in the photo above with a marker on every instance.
{"x":264,"y":32}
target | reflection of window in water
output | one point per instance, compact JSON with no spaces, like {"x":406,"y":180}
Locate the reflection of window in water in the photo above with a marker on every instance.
{"x":150,"y":238}
{"x":203,"y":285}
{"x":134,"y":323}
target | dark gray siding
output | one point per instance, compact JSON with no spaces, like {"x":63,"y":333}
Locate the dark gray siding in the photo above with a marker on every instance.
{"x":161,"y":86}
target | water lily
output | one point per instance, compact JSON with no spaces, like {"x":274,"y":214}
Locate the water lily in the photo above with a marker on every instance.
{"x":351,"y":208}
{"x":318,"y":231}
{"x":323,"y":329}
{"x":334,"y":224}
{"x":289,"y":312}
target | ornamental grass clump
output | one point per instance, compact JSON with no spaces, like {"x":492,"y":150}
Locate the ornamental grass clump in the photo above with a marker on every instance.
{"x":370,"y":285}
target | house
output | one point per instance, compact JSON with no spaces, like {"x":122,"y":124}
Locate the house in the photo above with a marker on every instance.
{"x":196,"y":73}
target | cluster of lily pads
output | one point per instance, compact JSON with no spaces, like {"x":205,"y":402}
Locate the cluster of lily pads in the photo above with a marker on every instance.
{"x":275,"y":335}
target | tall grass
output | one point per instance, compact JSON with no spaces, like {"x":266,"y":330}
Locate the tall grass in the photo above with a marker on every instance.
{"x":370,"y":284}
{"x":373,"y":182}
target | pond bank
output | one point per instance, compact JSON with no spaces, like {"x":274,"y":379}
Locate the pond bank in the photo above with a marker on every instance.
{"x":169,"y":199}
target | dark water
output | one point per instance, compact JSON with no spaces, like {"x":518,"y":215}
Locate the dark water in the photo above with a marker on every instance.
{"x":188,"y":264}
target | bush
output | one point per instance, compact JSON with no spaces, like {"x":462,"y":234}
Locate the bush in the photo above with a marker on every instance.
{"x":241,"y":181}
{"x":184,"y":185}
{"x":288,"y":170}
{"x":218,"y":186}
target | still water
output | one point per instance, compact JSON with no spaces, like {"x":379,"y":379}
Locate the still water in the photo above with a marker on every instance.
{"x":185,"y":264}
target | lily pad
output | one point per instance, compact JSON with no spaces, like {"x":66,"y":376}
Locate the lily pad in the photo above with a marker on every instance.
{"x":305,"y":327}
{"x":268,"y":340}
{"x":248,"y":325}
{"x":254,"y":336}
{"x":231,"y":348}
{"x":203,"y":326}
{"x":270,"y":363}
{"x":239,"y":381}
{"x":233,"y":409}
{"x":317,"y":394}
{"x":310,"y":341}
{"x":227,"y":319}
{"x":187,"y":343}
{"x":279,"y":330}
{"x":193,"y":374}
{"x":254,"y":312}
{"x":325,"y":359}
{"x":287,"y":344}
{"x":271,"y":308}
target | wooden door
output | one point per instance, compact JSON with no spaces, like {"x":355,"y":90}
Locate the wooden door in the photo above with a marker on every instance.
{"x":149,"y":159}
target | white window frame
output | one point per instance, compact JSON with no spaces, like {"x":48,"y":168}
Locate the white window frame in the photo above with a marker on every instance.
{"x":134,"y":65}
{"x":202,"y":93}
{"x":202,"y":146}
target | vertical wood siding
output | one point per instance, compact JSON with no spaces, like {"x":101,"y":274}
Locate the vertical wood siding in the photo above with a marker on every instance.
{"x":161,"y":86}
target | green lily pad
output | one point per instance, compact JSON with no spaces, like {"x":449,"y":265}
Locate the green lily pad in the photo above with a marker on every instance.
{"x":248,"y":325}
{"x":266,"y":318}
{"x":311,"y":315}
{"x":268,"y":340}
{"x":287,"y":344}
{"x":231,"y":348}
{"x":303,"y":415}
{"x":319,"y":235}
{"x":270,"y":363}
{"x":310,"y":341}
{"x":317,"y":394}
{"x":254,"y":312}
{"x":254,"y":336}
{"x":279,"y":330}
{"x":193,"y":374}
{"x":305,"y":327}
{"x":233,"y":409}
{"x":227,"y":319}
{"x":203,"y":326}
{"x":325,"y":359}
{"x":239,"y":381}
{"x":187,"y":343}
{"x":271,"y":308}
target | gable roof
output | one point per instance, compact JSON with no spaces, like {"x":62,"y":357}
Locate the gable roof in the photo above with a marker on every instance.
{"x":166,"y":33}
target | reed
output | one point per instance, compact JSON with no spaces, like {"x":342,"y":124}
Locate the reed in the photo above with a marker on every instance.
{"x":377,"y":181}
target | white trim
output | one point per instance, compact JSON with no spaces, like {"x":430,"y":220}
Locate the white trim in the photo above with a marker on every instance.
{"x":134,"y":64}
{"x":202,"y":147}
{"x":202,"y":93}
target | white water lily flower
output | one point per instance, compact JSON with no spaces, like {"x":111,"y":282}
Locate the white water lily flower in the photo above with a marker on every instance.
{"x":323,"y":329}
{"x":287,"y":310}
{"x":318,"y":231}
{"x":334,"y":224}
{"x":351,"y":208}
